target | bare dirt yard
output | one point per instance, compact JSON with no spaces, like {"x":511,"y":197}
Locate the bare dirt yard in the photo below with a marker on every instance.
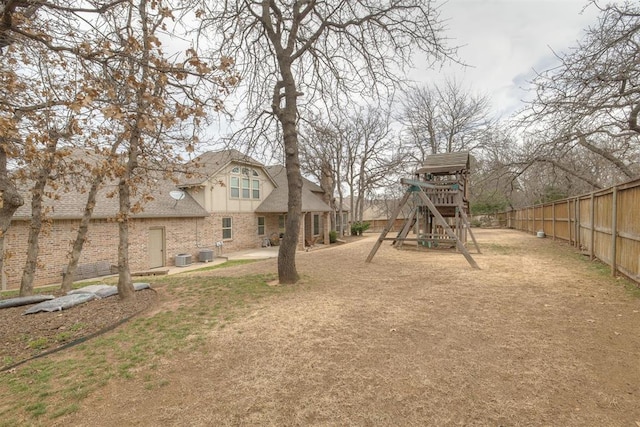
{"x":538,"y":336}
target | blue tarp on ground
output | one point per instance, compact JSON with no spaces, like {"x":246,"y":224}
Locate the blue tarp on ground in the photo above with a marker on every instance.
{"x":18,"y":301}
{"x":81,"y":295}
{"x":61,"y":303}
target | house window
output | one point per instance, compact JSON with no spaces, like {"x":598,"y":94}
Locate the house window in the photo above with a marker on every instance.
{"x":282,"y":220}
{"x":316,"y":224}
{"x":260,"y":226}
{"x":245,"y":188}
{"x":255,"y":187}
{"x":226,"y":228}
{"x":235,"y":187}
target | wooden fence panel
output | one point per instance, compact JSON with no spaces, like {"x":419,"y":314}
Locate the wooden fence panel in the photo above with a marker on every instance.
{"x":628,"y":232}
{"x":603,"y":224}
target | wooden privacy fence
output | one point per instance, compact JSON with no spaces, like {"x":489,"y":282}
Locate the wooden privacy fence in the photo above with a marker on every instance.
{"x":604,"y":224}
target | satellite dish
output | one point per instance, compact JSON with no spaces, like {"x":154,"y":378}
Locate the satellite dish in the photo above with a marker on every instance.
{"x":177,"y":195}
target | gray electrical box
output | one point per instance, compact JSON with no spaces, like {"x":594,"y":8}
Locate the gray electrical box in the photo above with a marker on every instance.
{"x":205,"y":255}
{"x":183,"y":260}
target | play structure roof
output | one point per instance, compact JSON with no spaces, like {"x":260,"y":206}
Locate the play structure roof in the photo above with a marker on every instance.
{"x":445,"y":163}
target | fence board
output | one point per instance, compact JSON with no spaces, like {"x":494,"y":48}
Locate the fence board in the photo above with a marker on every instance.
{"x":588,"y":223}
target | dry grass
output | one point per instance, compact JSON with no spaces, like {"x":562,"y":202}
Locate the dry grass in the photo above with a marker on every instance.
{"x":414,"y":338}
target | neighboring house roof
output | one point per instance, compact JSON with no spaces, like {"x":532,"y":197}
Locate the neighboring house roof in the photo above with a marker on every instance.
{"x":210,"y":163}
{"x":71,"y":205}
{"x":445,"y":163}
{"x":276,"y":202}
{"x":376,"y":210}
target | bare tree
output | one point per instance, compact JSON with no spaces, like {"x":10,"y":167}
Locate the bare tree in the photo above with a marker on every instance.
{"x":592,"y":99}
{"x":297,"y":52}
{"x":139,"y":109}
{"x":443,"y":119}
{"x":321,"y":157}
{"x":372,"y":156}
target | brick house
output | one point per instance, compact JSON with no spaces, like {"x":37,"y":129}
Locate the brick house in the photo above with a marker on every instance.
{"x":230,"y":202}
{"x":247,"y":201}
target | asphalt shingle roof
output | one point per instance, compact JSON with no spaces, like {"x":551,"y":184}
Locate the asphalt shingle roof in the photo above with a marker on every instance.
{"x":71,"y":205}
{"x":210,"y":163}
{"x":276,"y":202}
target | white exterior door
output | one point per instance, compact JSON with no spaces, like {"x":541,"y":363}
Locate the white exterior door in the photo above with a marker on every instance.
{"x":156,"y":247}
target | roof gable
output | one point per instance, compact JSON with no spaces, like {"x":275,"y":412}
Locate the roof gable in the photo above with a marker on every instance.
{"x":210,"y":163}
{"x":277,"y":201}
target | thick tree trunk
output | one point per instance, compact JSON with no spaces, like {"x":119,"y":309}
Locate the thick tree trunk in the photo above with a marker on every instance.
{"x":33,"y":247}
{"x":10,"y":201}
{"x":37,"y":215}
{"x":287,"y":272}
{"x":125,"y":285}
{"x":76,"y":250}
{"x":287,"y":115}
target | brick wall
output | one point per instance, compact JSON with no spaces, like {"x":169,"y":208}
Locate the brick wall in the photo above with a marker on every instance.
{"x":244,"y":230}
{"x":182,"y":235}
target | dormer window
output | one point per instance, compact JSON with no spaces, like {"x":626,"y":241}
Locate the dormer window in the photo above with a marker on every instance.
{"x":244,"y":186}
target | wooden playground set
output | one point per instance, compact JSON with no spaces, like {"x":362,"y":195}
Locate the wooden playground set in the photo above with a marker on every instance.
{"x":437,"y":199}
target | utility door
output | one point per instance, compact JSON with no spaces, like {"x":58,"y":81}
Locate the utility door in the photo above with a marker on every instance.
{"x":156,"y":247}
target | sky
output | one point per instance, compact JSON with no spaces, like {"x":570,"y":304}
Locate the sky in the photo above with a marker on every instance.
{"x":504,"y":41}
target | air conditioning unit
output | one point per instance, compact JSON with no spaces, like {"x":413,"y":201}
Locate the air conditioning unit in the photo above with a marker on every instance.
{"x":183,"y":260}
{"x":205,"y":255}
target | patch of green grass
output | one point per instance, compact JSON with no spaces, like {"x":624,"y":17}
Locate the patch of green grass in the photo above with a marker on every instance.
{"x":202,"y":304}
{"x":37,"y":409}
{"x":39,"y":343}
{"x":78,"y":326}
{"x":226,"y":264}
{"x":604,"y":271}
{"x":65,"y":410}
{"x":63,"y":336}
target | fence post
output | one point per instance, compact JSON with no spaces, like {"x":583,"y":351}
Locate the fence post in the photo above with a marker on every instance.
{"x":553,"y":220}
{"x":569,"y":221}
{"x":593,"y":228}
{"x":577,"y":224}
{"x":614,"y":231}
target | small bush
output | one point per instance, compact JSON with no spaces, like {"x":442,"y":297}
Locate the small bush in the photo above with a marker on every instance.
{"x":333,"y":236}
{"x":357,"y":228}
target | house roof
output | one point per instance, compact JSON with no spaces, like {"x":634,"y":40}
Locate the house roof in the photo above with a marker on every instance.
{"x":276,"y":202}
{"x":445,"y":163}
{"x":71,"y":205}
{"x":210,"y":163}
{"x":383,"y":209}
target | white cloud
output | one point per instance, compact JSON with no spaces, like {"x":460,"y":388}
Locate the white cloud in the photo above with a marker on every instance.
{"x":503,"y":41}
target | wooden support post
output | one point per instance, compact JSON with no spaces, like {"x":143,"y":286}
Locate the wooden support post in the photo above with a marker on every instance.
{"x":533,"y":230}
{"x":614,"y":232}
{"x":577,"y":206}
{"x":467,"y":224}
{"x":405,"y":228}
{"x":569,"y":221}
{"x":593,"y":228}
{"x":390,"y":223}
{"x":447,"y":229}
{"x":553,"y":220}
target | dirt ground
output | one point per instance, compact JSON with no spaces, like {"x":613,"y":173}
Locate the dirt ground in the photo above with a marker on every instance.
{"x":23,"y":337}
{"x":535,"y":337}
